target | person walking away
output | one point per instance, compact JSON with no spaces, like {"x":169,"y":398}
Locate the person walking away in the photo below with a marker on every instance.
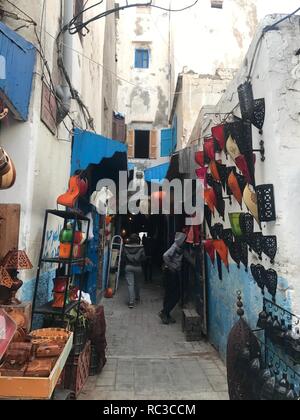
{"x":134,"y":258}
{"x":173,"y":260}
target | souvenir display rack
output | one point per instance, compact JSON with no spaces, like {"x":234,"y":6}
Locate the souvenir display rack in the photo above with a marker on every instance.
{"x":67,"y":263}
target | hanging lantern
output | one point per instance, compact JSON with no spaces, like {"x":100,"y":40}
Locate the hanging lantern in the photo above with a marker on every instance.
{"x":272,"y":283}
{"x":247,"y":168}
{"x":209,"y":149}
{"x":250,"y":199}
{"x":214,"y":171}
{"x":217,"y":231}
{"x":227,"y":236}
{"x":246,"y":223}
{"x":243,"y":247}
{"x":210,"y":199}
{"x":235,"y":253}
{"x":266,"y":203}
{"x":235,"y":187}
{"x":199,"y":158}
{"x":259,"y":274}
{"x":269,"y":247}
{"x":220,"y":201}
{"x":218,"y":134}
{"x":235,"y":224}
{"x":232,"y":148}
{"x":202,"y":175}
{"x":208,"y":216}
{"x":222,"y":251}
{"x":246,"y":99}
{"x":255,"y":242}
{"x":259,"y":113}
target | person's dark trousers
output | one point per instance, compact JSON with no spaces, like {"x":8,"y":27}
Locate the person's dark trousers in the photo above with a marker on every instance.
{"x":173,"y":291}
{"x":147,"y":269}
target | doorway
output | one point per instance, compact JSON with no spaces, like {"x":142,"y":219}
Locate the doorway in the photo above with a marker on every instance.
{"x":142,"y":144}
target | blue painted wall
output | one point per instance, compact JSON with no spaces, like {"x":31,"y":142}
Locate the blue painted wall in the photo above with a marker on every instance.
{"x":222,"y":302}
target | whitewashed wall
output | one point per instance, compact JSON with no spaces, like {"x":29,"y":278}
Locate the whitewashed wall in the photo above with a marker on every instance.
{"x":276,"y":78}
{"x":42,"y":159}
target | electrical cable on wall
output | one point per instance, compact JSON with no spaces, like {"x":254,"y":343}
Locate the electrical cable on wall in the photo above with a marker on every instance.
{"x":75,"y":95}
{"x":76,"y":26}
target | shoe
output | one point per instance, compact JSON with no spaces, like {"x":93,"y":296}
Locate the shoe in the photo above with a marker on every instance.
{"x":131,"y":305}
{"x":172,"y":320}
{"x":164,"y":318}
{"x":138,"y":300}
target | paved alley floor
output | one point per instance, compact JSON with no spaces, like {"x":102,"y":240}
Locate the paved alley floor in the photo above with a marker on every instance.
{"x":150,"y":361}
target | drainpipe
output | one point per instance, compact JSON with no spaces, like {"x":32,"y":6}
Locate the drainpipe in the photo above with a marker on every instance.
{"x":66,"y":60}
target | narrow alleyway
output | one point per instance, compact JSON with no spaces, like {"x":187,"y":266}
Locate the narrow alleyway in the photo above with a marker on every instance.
{"x":149,"y":361}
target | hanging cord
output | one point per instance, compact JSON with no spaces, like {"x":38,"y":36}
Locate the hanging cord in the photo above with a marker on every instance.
{"x":74,"y":26}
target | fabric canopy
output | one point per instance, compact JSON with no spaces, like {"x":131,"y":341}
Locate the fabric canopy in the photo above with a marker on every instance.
{"x":157,"y":173}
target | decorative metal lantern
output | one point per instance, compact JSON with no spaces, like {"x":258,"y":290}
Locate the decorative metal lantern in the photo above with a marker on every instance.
{"x":209,"y":149}
{"x":208,"y":216}
{"x":220,"y":200}
{"x":259,"y":274}
{"x":232,"y":148}
{"x":235,"y":252}
{"x":266,"y":203}
{"x":246,"y":99}
{"x":246,"y":223}
{"x":199,"y":158}
{"x":235,"y":187}
{"x":250,"y":199}
{"x":235,"y":222}
{"x":227,"y":236}
{"x":246,"y":164}
{"x":218,"y":134}
{"x":259,"y":113}
{"x":244,"y":253}
{"x":272,"y":283}
{"x":210,"y":199}
{"x":254,"y":241}
{"x":269,"y":247}
{"x":217,"y":231}
{"x":202,"y":175}
{"x":241,"y":132}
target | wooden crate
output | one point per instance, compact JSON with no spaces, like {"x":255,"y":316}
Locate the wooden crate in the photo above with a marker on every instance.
{"x":35,"y":388}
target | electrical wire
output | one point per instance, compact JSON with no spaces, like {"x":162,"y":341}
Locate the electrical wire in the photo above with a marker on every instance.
{"x":75,"y":27}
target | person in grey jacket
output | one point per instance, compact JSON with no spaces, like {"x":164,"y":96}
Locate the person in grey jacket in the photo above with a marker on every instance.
{"x":173,"y":260}
{"x":134,"y":255}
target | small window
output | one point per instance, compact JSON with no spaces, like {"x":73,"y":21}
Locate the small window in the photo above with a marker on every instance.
{"x":217,"y":4}
{"x":142,"y":58}
{"x":142,"y":144}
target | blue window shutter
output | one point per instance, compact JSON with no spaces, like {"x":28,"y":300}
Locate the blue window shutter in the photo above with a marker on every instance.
{"x":142,"y":59}
{"x":166,"y":142}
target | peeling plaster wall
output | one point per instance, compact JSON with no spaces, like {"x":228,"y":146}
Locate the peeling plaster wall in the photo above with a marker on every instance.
{"x":143,"y":97}
{"x":217,"y":38}
{"x":276,"y":78}
{"x":42,"y":159}
{"x":198,"y":90}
